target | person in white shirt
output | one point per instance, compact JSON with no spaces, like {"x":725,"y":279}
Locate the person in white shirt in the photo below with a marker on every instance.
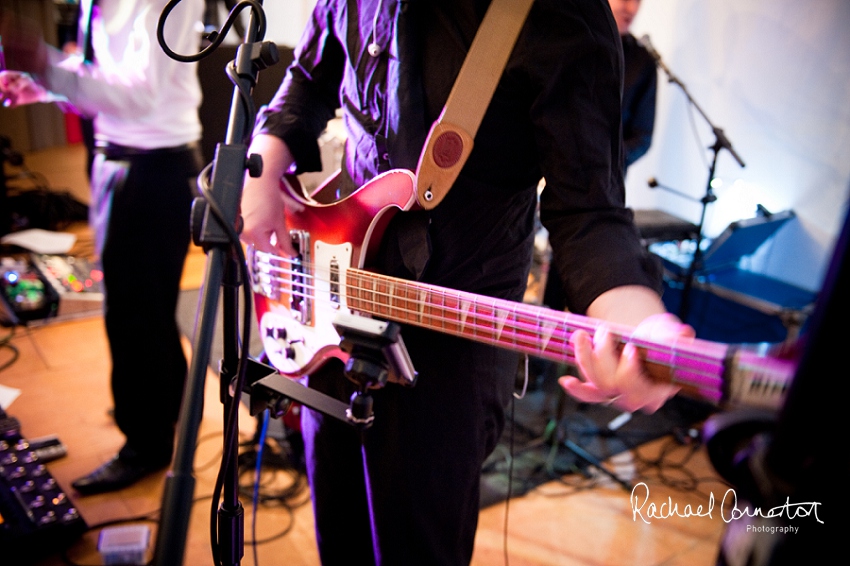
{"x":147,"y":130}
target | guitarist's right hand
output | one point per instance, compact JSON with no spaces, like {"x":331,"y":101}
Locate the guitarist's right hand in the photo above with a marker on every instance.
{"x":264,"y":203}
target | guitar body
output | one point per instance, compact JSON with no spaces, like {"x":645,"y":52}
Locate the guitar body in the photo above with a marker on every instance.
{"x":296,"y":302}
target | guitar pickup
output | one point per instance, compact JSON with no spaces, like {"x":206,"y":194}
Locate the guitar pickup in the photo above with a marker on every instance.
{"x":334,"y":284}
{"x":300,"y":292}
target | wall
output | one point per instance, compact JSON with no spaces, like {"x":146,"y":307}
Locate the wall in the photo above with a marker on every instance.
{"x":38,"y":126}
{"x":774,"y":76}
{"x":285,"y":20}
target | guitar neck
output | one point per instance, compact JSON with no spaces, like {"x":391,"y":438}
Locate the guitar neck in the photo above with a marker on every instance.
{"x":523,"y":328}
{"x":701,"y":368}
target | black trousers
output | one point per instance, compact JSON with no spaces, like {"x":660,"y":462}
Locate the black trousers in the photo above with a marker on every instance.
{"x":406,"y":490}
{"x":142,"y":205}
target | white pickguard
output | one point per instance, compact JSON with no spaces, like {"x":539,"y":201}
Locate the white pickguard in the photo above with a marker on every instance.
{"x":291,"y":343}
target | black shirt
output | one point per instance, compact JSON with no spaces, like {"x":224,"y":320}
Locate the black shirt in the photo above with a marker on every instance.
{"x":554,"y":115}
{"x":640,"y":83}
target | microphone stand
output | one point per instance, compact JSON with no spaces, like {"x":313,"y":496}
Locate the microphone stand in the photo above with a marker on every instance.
{"x":373,"y":350}
{"x":652,"y":182}
{"x":720,"y":142}
{"x":222,"y":268}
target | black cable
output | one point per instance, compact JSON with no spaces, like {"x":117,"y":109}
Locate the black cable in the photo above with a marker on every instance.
{"x":6,"y":344}
{"x":287,"y":460}
{"x":212,"y":461}
{"x":40,"y":205}
{"x":670,"y":467}
{"x":510,"y":478}
{"x":39,"y":180}
{"x":664,"y":466}
{"x":246,"y":98}
{"x":695,"y":132}
{"x":278,"y":535}
{"x":231,"y":421}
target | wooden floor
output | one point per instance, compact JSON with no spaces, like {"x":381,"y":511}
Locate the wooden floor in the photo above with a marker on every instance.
{"x":62,"y":375}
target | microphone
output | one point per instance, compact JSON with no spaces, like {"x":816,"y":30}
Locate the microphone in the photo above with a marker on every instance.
{"x":647,"y":44}
{"x":653,"y":184}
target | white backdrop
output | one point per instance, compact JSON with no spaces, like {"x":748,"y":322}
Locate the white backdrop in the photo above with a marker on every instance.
{"x":775,"y":76}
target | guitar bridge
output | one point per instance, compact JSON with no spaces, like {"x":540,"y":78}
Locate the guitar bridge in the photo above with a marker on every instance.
{"x":275,"y":277}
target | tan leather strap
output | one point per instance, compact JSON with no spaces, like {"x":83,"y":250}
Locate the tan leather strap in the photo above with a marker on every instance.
{"x":451,"y":137}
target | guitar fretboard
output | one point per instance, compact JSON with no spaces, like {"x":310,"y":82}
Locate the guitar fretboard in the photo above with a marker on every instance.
{"x":528,"y":329}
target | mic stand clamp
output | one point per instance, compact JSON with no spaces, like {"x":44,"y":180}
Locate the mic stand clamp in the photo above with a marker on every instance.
{"x":376,"y":355}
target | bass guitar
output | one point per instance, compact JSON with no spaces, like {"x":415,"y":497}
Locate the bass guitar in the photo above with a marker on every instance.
{"x":297,"y":300}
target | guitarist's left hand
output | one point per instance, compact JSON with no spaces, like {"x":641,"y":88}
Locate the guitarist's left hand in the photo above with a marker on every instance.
{"x":616,"y":375}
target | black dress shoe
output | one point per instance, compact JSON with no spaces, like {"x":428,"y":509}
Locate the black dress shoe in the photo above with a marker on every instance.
{"x":114,"y":475}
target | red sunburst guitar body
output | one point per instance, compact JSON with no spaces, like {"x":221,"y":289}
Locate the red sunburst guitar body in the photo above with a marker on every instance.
{"x":296,"y":302}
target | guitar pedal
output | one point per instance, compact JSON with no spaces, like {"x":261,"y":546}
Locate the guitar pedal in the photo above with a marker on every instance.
{"x":24,"y":293}
{"x":48,"y":448}
{"x":36,"y":516}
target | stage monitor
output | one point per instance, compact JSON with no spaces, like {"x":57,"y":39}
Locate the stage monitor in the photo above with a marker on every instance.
{"x":740,"y":239}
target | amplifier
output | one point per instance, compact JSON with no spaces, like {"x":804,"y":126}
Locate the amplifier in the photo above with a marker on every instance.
{"x":36,"y":516}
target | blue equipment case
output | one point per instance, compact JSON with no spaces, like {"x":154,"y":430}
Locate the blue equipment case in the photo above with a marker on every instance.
{"x":730,"y":304}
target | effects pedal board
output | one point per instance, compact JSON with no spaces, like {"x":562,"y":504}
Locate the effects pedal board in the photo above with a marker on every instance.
{"x":38,"y":287}
{"x":77,"y":282}
{"x":25,"y":293}
{"x":36,"y":516}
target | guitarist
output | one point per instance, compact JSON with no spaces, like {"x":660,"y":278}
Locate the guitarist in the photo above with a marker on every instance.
{"x":407,"y":490}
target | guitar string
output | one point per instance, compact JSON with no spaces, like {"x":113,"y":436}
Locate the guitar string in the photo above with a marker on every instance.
{"x":702,"y":379}
{"x":527,"y":322}
{"x":760,"y":384}
{"x":511,"y":322}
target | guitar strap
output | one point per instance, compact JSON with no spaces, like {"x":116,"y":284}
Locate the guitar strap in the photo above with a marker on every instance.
{"x":84,"y":31}
{"x":450,"y":140}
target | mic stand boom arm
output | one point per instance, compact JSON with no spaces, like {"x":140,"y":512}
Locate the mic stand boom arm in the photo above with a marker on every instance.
{"x":720,"y":142}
